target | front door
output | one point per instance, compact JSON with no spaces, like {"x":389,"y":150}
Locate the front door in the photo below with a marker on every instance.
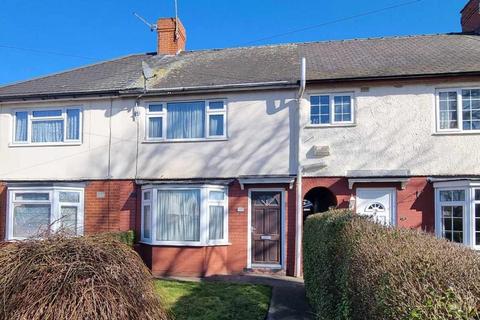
{"x":378,"y":203}
{"x":266,"y":227}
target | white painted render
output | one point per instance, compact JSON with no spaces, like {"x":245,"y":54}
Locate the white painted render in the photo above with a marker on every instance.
{"x":394,"y":129}
{"x":259,"y":129}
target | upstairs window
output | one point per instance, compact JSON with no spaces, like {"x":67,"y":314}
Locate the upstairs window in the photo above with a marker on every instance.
{"x":193,"y":120}
{"x":37,"y":211}
{"x":458,"y":110}
{"x":47,"y":126}
{"x":331,"y":109}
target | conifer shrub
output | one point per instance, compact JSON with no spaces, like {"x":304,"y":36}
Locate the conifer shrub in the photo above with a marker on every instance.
{"x":357,"y":269}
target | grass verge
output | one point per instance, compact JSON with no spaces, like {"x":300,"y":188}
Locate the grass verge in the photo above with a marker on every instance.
{"x":214,"y":300}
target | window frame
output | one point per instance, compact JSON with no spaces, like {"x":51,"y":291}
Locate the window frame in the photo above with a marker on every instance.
{"x":31,"y":119}
{"x":204,"y":214}
{"x":468,"y":204}
{"x":453,"y":203}
{"x":474,"y":203}
{"x":331,"y":108}
{"x":460,"y":129}
{"x":55,"y":207}
{"x":164,"y":114}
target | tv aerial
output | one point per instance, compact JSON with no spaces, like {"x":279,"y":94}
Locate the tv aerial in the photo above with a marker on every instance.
{"x":151,"y":26}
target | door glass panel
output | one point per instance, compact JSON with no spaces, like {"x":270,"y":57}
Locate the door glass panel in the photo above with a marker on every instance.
{"x":266,"y":199}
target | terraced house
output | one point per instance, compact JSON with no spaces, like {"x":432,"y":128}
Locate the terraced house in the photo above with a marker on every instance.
{"x":215,"y":157}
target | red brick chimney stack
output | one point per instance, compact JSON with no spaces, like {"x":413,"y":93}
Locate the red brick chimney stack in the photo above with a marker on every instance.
{"x":171,"y":36}
{"x":471,"y":17}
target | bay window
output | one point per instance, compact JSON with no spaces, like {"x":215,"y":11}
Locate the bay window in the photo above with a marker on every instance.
{"x":458,"y":110}
{"x":184,"y":215}
{"x":331,"y":109}
{"x":191,"y":120}
{"x":47,"y":126}
{"x":457,"y":212}
{"x":37,"y":211}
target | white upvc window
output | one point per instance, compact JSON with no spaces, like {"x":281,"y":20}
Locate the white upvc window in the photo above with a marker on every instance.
{"x":457,"y":212}
{"x":186,"y":121}
{"x":331,"y":109}
{"x":37,"y":211}
{"x":190,"y":215}
{"x":458,"y":110}
{"x":46,"y":126}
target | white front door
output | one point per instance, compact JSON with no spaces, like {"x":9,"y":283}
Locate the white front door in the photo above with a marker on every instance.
{"x":378,"y":203}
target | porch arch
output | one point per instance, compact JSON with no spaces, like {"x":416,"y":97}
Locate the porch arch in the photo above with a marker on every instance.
{"x":317,"y":200}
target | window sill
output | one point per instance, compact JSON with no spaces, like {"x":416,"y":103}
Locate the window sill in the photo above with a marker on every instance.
{"x":335,"y":125}
{"x":456,"y":133}
{"x":59,"y":144}
{"x":183,"y":140}
{"x":186,"y":244}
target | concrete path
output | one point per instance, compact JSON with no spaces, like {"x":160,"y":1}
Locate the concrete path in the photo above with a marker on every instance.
{"x":288,"y":295}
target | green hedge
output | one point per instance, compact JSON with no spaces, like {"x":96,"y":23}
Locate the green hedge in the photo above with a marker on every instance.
{"x":127,"y":237}
{"x":356,"y":269}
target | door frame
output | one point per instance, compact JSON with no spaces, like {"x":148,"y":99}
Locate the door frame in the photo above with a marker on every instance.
{"x":282,"y":264}
{"x":393,"y":202}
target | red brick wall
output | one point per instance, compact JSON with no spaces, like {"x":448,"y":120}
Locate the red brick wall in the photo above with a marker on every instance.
{"x":237,"y":228}
{"x":120,"y":210}
{"x":116,"y":211}
{"x":415,"y":204}
{"x":186,"y":261}
{"x":167,"y":42}
{"x":471,"y":16}
{"x":204,"y":261}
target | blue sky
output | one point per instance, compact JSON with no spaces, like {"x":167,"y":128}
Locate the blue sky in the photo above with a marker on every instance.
{"x":96,"y":30}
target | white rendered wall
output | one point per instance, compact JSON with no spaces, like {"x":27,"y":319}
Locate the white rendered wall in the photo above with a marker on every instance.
{"x":259,"y":129}
{"x":394,"y":130}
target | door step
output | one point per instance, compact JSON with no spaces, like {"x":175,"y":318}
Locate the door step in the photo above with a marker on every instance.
{"x":265,"y":271}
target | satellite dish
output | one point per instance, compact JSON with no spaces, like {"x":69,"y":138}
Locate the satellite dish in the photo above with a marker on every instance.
{"x":147,"y":71}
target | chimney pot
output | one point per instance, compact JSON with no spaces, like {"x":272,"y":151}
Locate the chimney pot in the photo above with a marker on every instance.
{"x":471,"y":17}
{"x":169,"y":41}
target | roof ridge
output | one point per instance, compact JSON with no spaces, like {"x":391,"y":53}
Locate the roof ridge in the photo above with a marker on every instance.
{"x":245,"y":47}
{"x":72,"y":69}
{"x":326,"y":41}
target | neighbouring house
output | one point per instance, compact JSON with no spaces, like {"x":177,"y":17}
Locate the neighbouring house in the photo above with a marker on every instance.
{"x":206,"y":155}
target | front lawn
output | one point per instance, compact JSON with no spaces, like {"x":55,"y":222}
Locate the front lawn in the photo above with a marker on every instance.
{"x":214,"y":300}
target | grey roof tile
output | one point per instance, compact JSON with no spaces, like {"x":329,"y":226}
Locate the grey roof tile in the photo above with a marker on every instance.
{"x":330,"y":60}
